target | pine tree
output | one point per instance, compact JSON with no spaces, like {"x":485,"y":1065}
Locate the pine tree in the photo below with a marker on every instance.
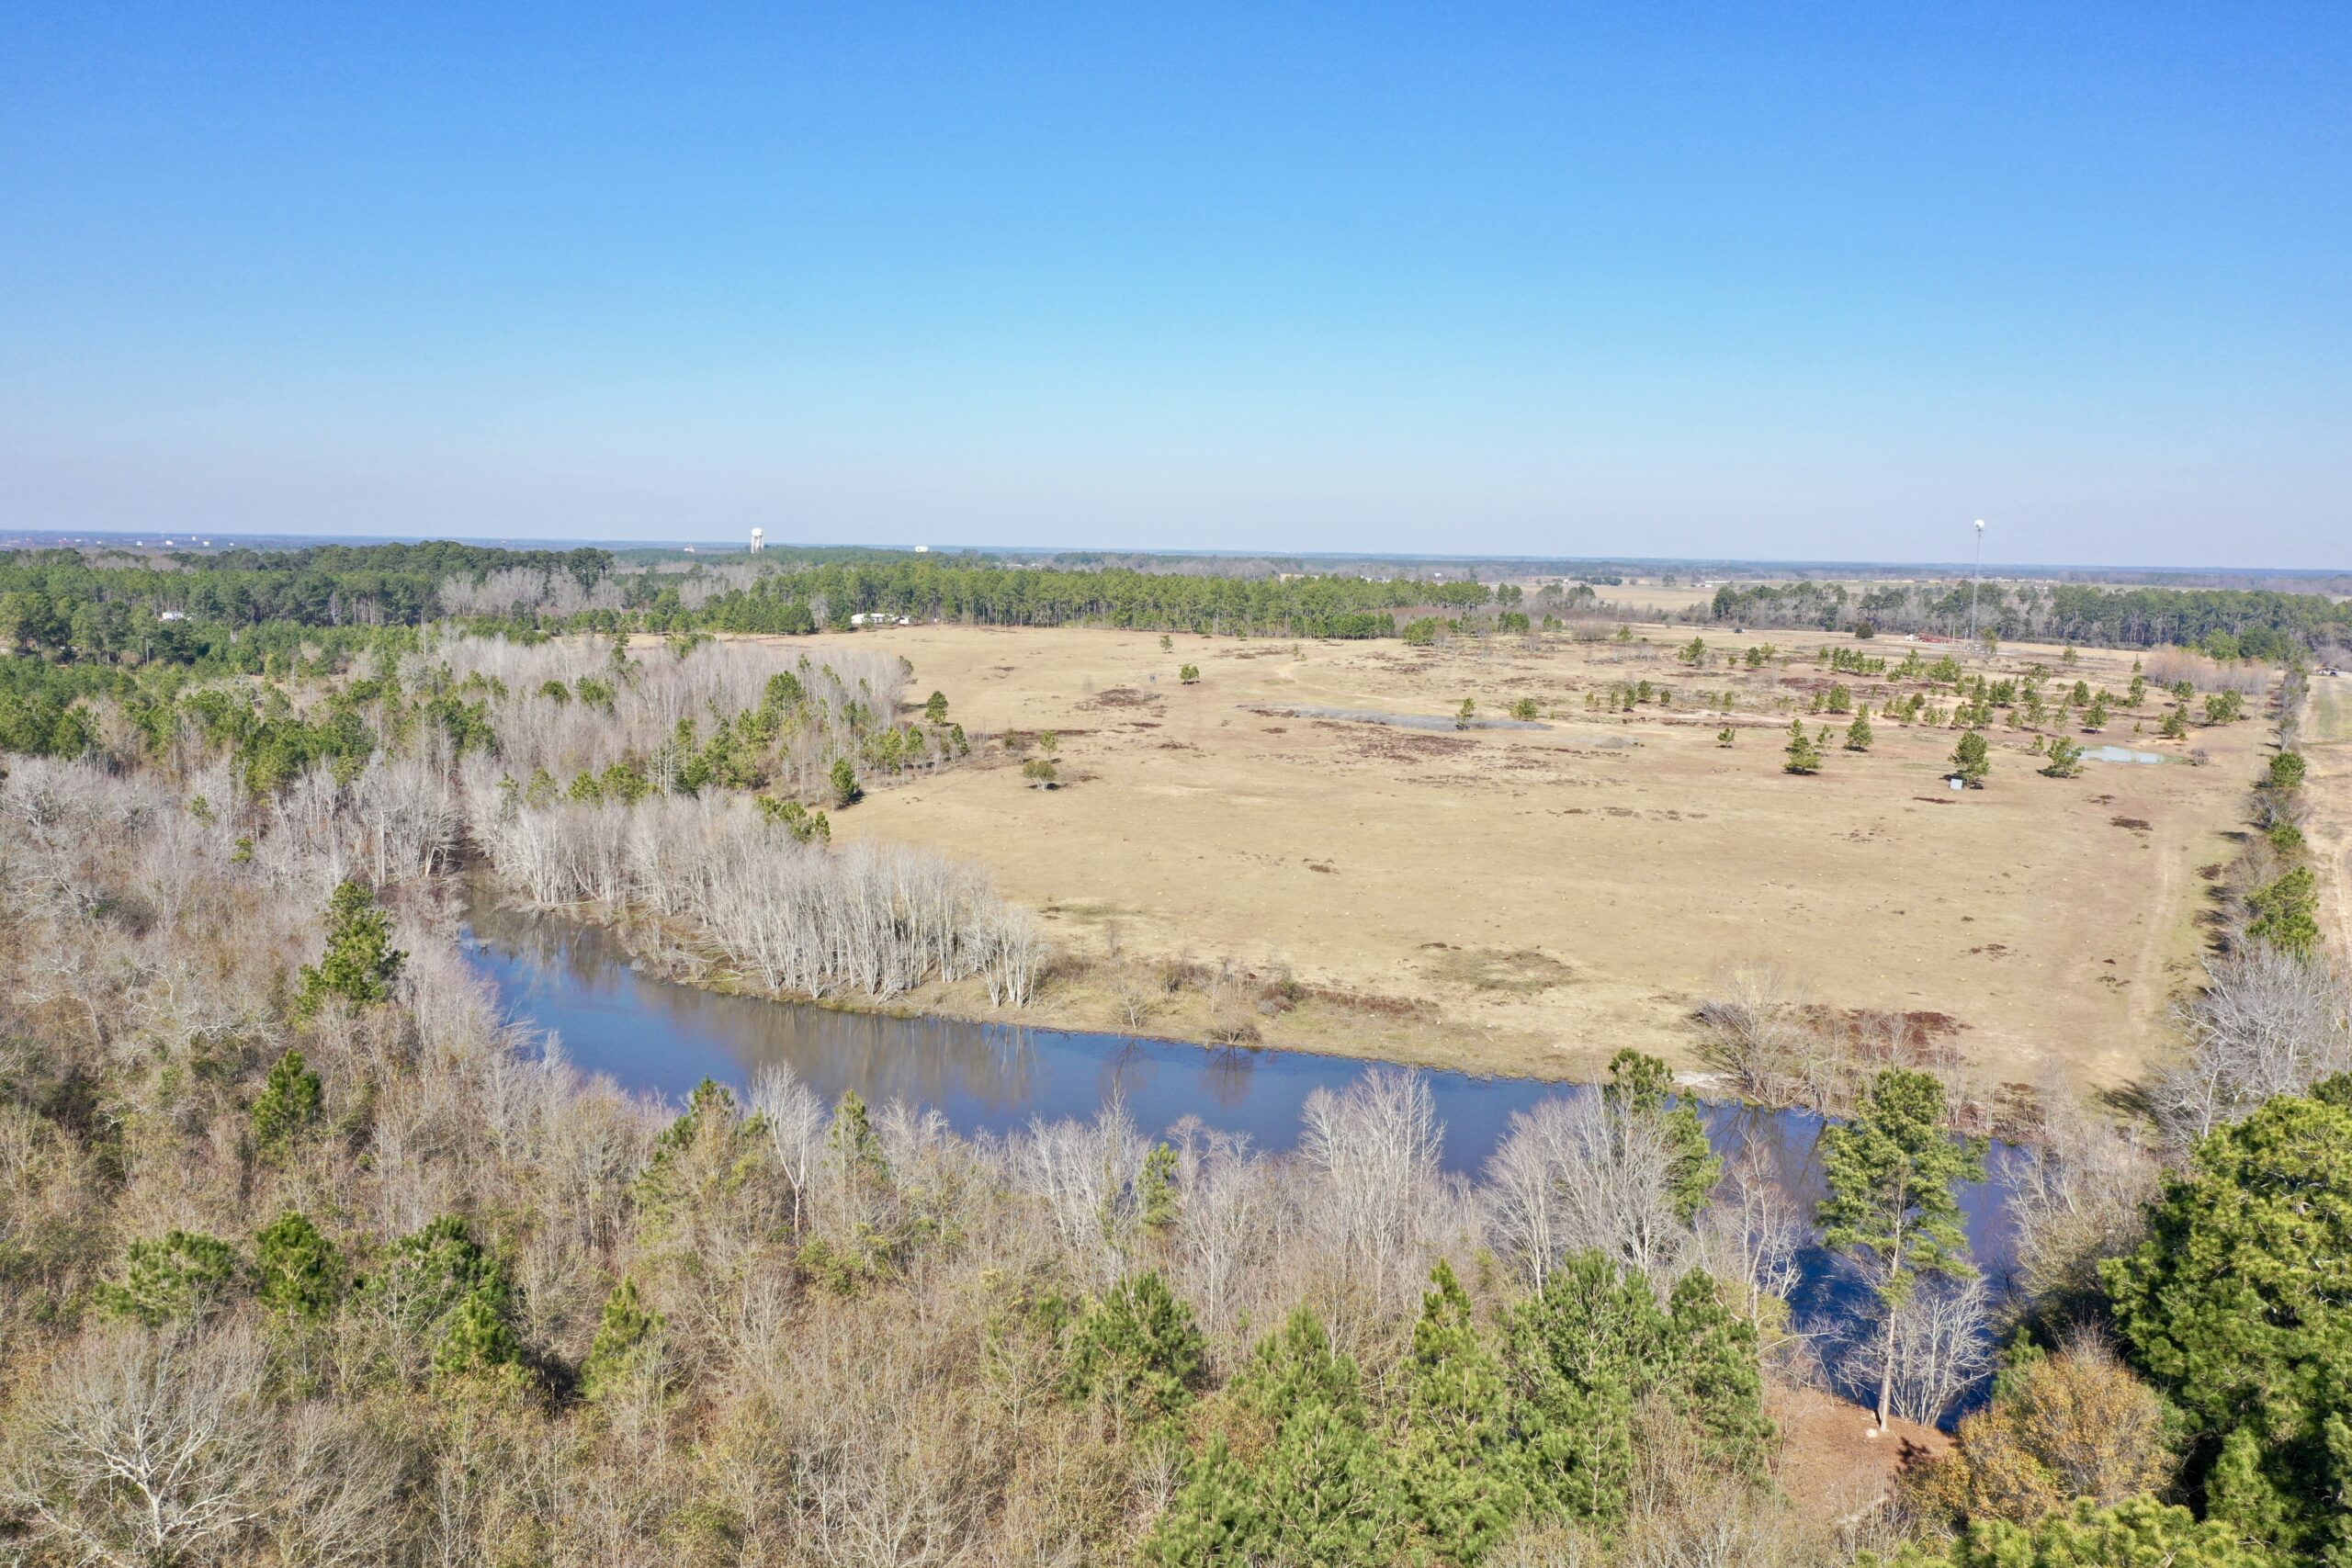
{"x":1804,"y":757}
{"x":2286,"y":913}
{"x":2065,"y":759}
{"x":1156,"y":1200}
{"x":844,"y":782}
{"x":1319,"y":1490}
{"x":360,"y":963}
{"x":851,"y":1139}
{"x":1459,"y":1468}
{"x":1727,"y":736}
{"x":1971,"y":760}
{"x":2239,"y":1307}
{"x":1644,"y":1086}
{"x":1858,"y":734}
{"x":934,"y":708}
{"x":288,"y":1102}
{"x":1138,"y":1347}
{"x":1579,"y":1353}
{"x":702,"y":1160}
{"x":439,"y":1282}
{"x":298,"y":1271}
{"x":627,"y":1345}
{"x":1891,"y":1207}
{"x":1717,"y":1380}
{"x":177,"y":1277}
{"x":2141,"y":1533}
{"x":480,"y":1339}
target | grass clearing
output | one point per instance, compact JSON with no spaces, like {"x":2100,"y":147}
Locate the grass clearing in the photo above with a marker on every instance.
{"x":1532,"y":900}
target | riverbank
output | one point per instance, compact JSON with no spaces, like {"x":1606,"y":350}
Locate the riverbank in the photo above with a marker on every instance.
{"x":1206,"y":1007}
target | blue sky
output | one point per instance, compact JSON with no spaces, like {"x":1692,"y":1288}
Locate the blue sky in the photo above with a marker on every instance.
{"x":1795,"y":281}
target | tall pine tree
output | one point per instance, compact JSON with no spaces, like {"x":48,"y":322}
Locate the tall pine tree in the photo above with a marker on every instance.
{"x":1890,"y":1206}
{"x":1461,"y":1469}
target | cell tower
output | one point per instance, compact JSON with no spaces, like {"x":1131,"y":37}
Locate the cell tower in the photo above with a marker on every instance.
{"x":758,"y":540}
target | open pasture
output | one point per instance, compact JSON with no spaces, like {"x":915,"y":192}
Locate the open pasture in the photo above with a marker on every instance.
{"x":1531,"y":900}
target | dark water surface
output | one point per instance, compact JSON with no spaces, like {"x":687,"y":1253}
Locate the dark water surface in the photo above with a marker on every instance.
{"x":573,"y":979}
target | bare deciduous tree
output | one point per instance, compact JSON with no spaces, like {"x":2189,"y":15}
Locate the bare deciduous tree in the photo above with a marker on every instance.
{"x":2267,"y":1024}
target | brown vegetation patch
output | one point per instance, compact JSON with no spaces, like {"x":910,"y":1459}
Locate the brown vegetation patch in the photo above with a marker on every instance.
{"x":2137,"y":824}
{"x":1522,"y":973}
{"x":1123,"y":697}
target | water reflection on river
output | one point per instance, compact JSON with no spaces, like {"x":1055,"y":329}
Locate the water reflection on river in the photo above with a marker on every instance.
{"x":572,"y":980}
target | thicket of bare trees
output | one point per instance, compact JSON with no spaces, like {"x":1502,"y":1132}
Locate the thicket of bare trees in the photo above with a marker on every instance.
{"x":526,"y":589}
{"x":575,"y":704}
{"x":866,"y":919}
{"x":2267,"y":1024}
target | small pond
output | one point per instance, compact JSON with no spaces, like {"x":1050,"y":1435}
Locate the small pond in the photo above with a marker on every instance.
{"x":2121,"y":754}
{"x":572,"y":980}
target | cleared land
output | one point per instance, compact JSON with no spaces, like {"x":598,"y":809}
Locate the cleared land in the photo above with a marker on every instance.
{"x":2328,"y":744}
{"x":1532,"y":900}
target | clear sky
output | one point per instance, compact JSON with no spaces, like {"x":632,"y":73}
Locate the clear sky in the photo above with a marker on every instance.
{"x":1771,"y":281}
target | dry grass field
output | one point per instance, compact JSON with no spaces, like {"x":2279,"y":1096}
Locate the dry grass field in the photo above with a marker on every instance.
{"x":2327,"y":745}
{"x":1532,"y":900}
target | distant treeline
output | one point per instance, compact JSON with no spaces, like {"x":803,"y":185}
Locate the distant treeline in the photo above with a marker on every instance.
{"x":63,"y":600}
{"x":984,"y":595}
{"x":2238,"y":623}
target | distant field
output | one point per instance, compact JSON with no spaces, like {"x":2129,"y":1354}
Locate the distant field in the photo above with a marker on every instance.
{"x":2327,"y":742}
{"x":1549,"y":895}
{"x":2329,"y":718}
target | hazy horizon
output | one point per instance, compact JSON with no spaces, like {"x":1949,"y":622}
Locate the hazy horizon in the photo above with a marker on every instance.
{"x":1483,"y":281}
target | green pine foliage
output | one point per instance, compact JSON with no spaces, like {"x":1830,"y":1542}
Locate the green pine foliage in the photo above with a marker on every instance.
{"x":1155,"y":1196}
{"x":2239,"y":1307}
{"x":1462,"y":1473}
{"x":2065,"y":759}
{"x":1576,"y":1353}
{"x":2285,"y":913}
{"x":1891,"y":1206}
{"x":1317,"y":1488}
{"x":701,"y":1160}
{"x":1803,"y":754}
{"x":297,"y":1273}
{"x":1716,"y":1382}
{"x":1137,"y":1348}
{"x":1644,"y":1086}
{"x":288,"y":1103}
{"x":842,"y":781}
{"x":175,"y":1278}
{"x":444,"y":1294}
{"x":627,"y":1349}
{"x":1859,"y":737}
{"x":360,"y":963}
{"x":1972,"y":760}
{"x":2141,"y":1533}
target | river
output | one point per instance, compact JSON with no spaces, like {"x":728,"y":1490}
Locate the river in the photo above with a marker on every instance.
{"x":572,"y":980}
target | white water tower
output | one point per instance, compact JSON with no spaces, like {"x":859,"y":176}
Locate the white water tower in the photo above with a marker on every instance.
{"x":758,"y":540}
